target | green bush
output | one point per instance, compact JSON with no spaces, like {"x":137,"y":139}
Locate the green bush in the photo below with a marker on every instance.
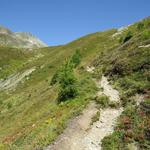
{"x":67,"y":82}
{"x":114,"y":104}
{"x":113,"y":142}
{"x":103,"y":101}
{"x":97,"y":73}
{"x":72,"y":63}
{"x":120,"y":67}
{"x":125,"y":99}
{"x":66,"y":78}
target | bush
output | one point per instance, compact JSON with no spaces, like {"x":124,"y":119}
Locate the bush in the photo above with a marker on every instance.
{"x":114,"y":104}
{"x":66,"y":79}
{"x":125,"y":100}
{"x":97,"y":73}
{"x":72,"y":63}
{"x":112,"y":142}
{"x":67,"y":83}
{"x":103,"y":101}
{"x":120,"y":67}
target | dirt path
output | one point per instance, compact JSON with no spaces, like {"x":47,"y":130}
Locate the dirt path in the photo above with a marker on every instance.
{"x":108,"y":90}
{"x":72,"y":137}
{"x":79,"y":135}
{"x":12,"y":81}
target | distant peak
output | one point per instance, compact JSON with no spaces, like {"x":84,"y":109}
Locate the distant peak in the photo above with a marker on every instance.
{"x":19,"y":39}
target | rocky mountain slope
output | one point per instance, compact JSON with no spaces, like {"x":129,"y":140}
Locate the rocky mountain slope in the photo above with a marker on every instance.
{"x":19,"y":39}
{"x":32,"y":118}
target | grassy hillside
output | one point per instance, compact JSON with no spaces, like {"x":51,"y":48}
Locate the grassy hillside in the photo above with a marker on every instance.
{"x":30,"y":115}
{"x":11,"y":59}
{"x":128,"y":67}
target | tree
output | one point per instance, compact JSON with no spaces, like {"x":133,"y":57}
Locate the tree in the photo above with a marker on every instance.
{"x":67,"y":82}
{"x":66,"y":78}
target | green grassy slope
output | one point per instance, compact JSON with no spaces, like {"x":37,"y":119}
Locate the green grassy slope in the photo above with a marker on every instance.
{"x":11,"y":59}
{"x":128,"y":66}
{"x":30,"y":116}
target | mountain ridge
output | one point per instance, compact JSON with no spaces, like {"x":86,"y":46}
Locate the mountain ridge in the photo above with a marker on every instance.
{"x":19,"y":39}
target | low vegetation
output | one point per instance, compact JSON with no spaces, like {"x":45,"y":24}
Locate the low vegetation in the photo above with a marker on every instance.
{"x":30,"y":114}
{"x":128,"y":67}
{"x":103,"y":101}
{"x":95,"y":118}
{"x":126,"y":38}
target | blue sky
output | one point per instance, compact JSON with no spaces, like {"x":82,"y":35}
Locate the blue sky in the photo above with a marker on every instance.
{"x":61,"y":21}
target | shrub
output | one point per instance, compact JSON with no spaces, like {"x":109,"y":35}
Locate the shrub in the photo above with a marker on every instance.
{"x":103,"y":101}
{"x":97,"y":73}
{"x":120,"y":67}
{"x":67,"y":83}
{"x":66,"y":79}
{"x":114,"y":104}
{"x":125,"y":99}
{"x":72,"y":63}
{"x":112,"y":142}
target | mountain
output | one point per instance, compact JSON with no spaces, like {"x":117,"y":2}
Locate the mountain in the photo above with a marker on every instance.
{"x":19,"y":39}
{"x":32,"y":118}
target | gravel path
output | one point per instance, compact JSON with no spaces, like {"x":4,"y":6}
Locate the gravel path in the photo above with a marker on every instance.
{"x":72,"y":138}
{"x":79,"y":135}
{"x":108,"y":90}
